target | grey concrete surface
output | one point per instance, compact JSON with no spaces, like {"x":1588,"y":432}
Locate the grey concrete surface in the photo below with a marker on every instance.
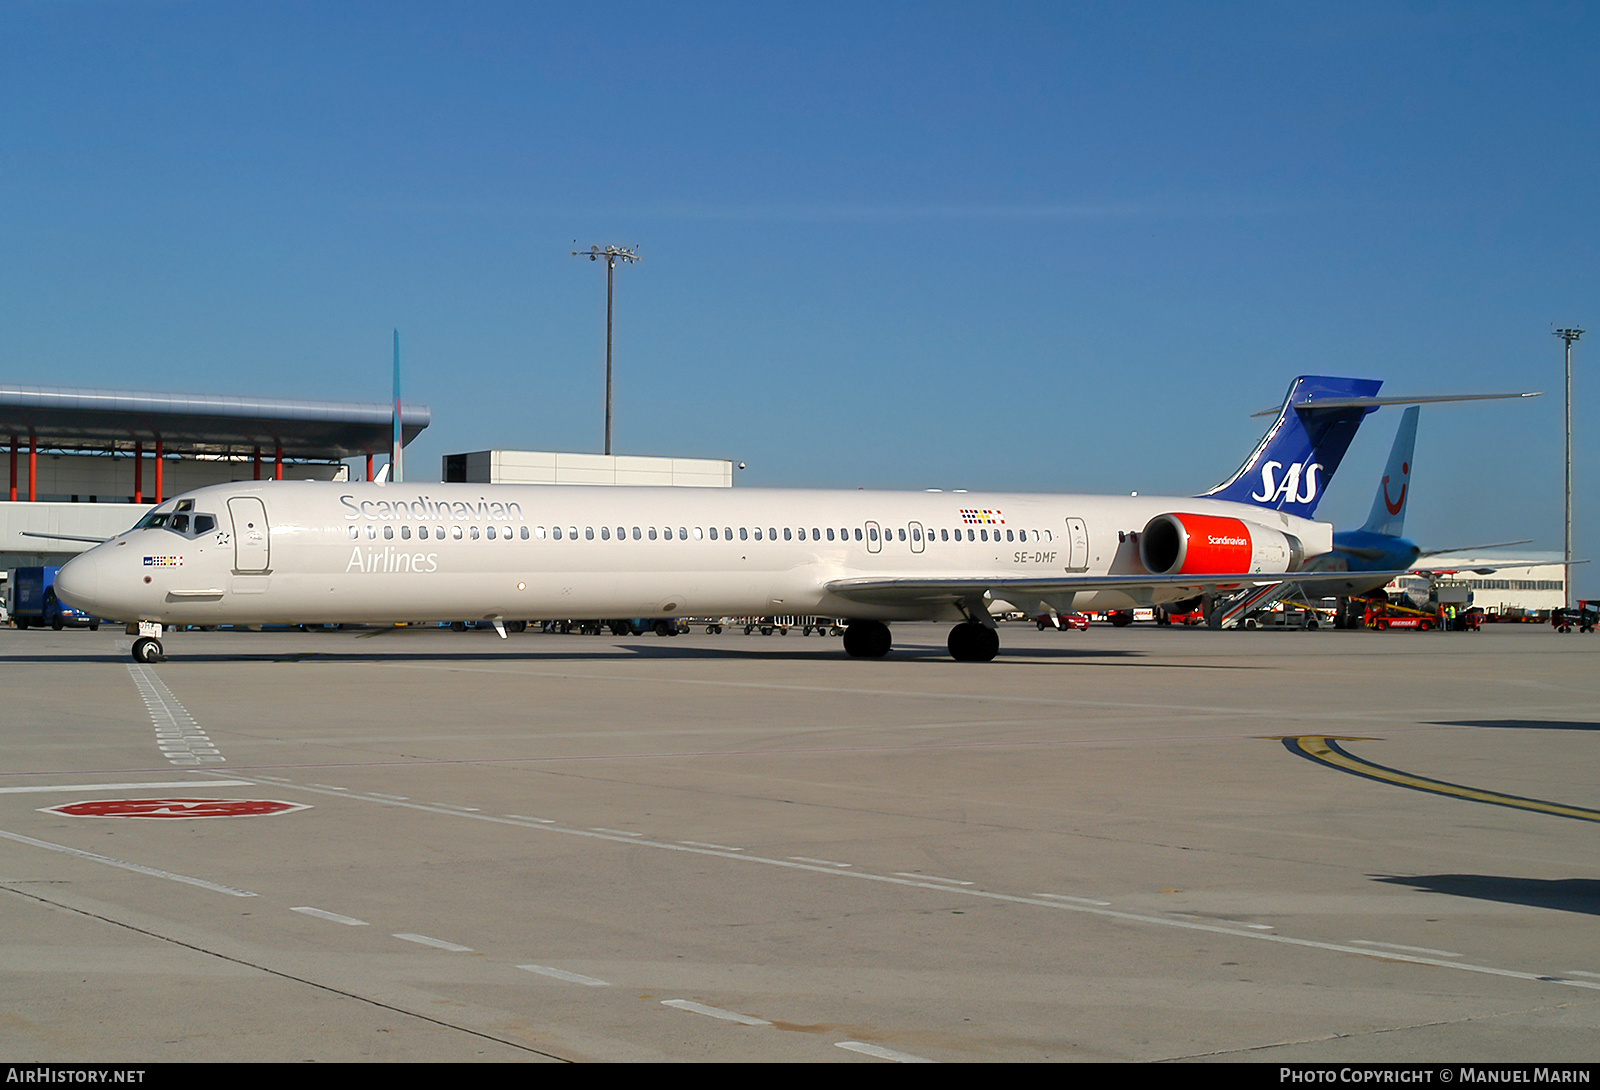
{"x":1094,"y":848}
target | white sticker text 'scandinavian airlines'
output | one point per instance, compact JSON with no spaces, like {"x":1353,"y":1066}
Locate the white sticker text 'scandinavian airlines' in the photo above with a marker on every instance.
{"x":299,"y":552}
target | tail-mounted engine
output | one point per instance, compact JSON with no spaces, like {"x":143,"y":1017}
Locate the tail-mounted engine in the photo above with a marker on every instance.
{"x":1185,"y":544}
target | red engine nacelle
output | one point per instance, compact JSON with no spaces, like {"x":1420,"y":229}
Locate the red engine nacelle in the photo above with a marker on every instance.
{"x":1188,"y":544}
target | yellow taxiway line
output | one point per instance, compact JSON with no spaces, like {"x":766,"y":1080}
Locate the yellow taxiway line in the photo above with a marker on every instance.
{"x":1325,"y":750}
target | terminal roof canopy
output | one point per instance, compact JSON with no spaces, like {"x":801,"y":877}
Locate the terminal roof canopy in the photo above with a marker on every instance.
{"x":195,"y":423}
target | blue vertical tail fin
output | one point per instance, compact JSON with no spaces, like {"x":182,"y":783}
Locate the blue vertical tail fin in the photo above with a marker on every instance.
{"x":1389,"y":505}
{"x":1297,"y":457}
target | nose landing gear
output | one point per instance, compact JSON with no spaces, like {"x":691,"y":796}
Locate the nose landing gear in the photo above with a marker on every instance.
{"x":147,"y":649}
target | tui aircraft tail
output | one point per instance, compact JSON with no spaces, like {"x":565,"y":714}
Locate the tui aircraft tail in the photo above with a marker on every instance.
{"x":1389,"y":505}
{"x":1297,"y":457}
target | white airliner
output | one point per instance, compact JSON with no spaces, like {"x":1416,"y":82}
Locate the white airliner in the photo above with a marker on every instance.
{"x":296,"y":552}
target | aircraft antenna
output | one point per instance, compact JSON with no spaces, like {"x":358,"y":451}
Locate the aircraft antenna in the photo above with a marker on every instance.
{"x":396,"y":475}
{"x":1568,"y":335}
{"x":612,"y":254}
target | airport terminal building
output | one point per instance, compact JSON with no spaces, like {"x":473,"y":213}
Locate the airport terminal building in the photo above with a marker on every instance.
{"x":89,"y":463}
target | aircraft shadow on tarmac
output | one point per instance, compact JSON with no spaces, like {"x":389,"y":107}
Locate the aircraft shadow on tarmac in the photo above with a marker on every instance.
{"x":1517,"y":724}
{"x":665,"y":652}
{"x":1562,"y":894}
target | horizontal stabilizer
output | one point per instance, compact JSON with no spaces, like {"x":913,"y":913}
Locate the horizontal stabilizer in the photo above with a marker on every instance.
{"x":1313,"y":402}
{"x":66,"y":537}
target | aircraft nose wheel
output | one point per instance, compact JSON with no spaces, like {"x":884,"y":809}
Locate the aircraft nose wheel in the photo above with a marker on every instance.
{"x":973,"y":642}
{"x":148,"y":650}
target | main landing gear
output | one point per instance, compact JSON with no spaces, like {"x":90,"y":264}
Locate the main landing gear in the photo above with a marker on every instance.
{"x":969,"y":641}
{"x":867,"y":640}
{"x":147,"y":649}
{"x":972,"y":642}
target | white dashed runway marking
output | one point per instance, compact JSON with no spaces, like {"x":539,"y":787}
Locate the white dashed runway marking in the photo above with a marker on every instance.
{"x":570,"y":978}
{"x":714,"y":1012}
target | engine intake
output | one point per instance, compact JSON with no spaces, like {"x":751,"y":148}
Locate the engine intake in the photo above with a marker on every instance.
{"x":1189,"y":544}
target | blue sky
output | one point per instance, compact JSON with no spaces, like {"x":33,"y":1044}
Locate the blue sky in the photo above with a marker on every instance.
{"x":1055,"y":247}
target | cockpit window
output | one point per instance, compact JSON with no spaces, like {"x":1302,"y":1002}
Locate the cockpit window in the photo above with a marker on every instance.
{"x":179,"y":522}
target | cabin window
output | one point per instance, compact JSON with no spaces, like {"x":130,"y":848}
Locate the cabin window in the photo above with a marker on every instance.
{"x":872,"y":533}
{"x":652,"y":533}
{"x":744,"y":534}
{"x":830,"y":533}
{"x":637,"y":535}
{"x":786,"y":535}
{"x":388,"y":533}
{"x":572,"y":532}
{"x":473,"y":530}
{"x":489,"y":531}
{"x":555,"y":532}
{"x":372,"y":532}
{"x":588,"y":533}
{"x":355,"y":532}
{"x":700,"y":534}
{"x":455,"y":532}
{"x":524,"y":533}
{"x":683,"y":533}
{"x":405,"y":533}
{"x":713,"y":533}
{"x":422,"y":533}
{"x":605,"y":533}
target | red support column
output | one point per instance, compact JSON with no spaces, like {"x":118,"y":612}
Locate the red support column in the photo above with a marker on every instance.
{"x":13,"y":469}
{"x":258,"y":463}
{"x":138,"y":471}
{"x":278,"y":470}
{"x":161,"y":471}
{"x":33,"y":469}
{"x":369,"y":471}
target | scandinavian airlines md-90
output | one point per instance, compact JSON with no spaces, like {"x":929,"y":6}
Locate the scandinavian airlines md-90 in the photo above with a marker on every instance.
{"x":294,"y":552}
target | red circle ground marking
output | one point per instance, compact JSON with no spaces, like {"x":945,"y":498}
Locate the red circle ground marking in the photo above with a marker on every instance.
{"x":176,"y":808}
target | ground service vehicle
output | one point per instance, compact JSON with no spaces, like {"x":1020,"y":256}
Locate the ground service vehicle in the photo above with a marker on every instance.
{"x":33,"y":603}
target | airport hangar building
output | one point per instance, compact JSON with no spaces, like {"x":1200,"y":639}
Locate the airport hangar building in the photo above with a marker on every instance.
{"x":90,"y":463}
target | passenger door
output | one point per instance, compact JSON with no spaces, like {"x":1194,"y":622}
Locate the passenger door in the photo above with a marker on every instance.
{"x":250,"y":542}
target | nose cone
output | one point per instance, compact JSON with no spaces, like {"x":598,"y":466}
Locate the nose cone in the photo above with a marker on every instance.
{"x":78,"y":582}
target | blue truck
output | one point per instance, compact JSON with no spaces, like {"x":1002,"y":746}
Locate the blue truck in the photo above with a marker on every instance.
{"x":31,"y":600}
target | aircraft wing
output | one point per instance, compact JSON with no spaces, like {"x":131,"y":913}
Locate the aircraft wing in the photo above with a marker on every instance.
{"x":915,"y":590}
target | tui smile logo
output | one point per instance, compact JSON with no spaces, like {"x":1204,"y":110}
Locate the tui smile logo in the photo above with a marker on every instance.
{"x":1394,"y":506}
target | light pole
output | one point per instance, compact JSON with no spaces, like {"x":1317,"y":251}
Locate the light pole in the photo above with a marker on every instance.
{"x":1568,"y":335}
{"x":612,"y":254}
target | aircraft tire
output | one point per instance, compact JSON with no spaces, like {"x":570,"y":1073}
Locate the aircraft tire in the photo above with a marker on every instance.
{"x":867,"y":639}
{"x":147,"y":650}
{"x":973,"y":642}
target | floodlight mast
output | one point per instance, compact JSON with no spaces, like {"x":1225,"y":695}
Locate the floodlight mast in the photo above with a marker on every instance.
{"x":1568,"y":335}
{"x":612,"y":254}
